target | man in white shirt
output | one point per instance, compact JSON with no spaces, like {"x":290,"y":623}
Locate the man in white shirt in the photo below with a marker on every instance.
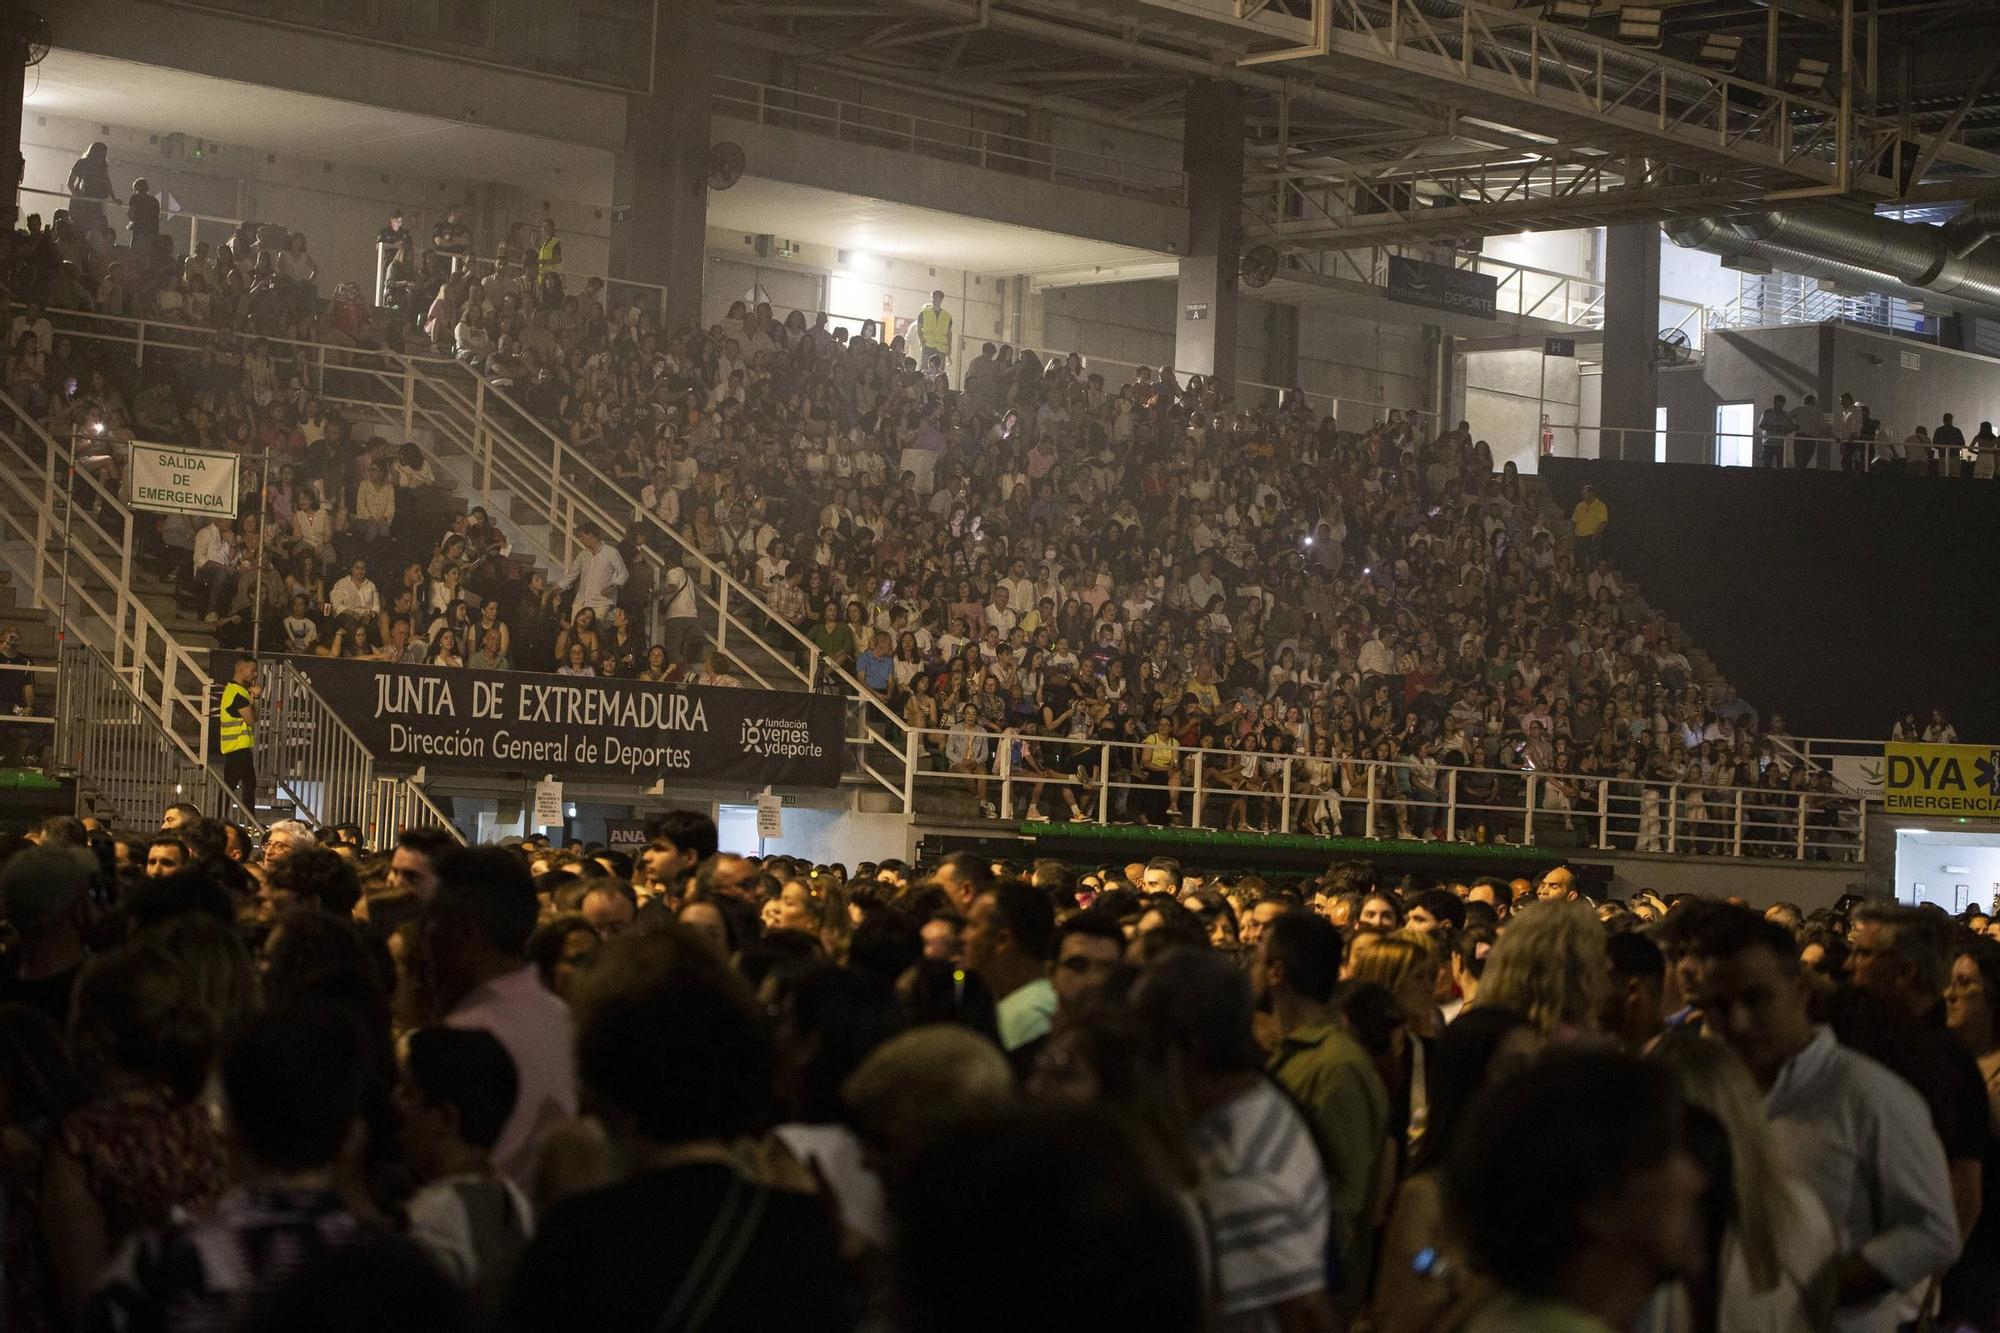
{"x":1856,"y":1134}
{"x":1848,"y":423}
{"x":597,"y":573}
{"x":1203,"y":585}
{"x":355,"y":595}
{"x":1376,"y":659}
{"x":999,"y":615}
{"x":216,"y":566}
{"x":1020,"y":588}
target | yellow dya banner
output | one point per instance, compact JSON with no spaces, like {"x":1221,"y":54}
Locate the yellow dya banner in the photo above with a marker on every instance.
{"x":1961,"y":780}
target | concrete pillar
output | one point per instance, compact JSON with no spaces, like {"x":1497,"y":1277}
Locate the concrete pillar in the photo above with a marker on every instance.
{"x":659,"y":226}
{"x":1281,"y":345}
{"x":1631,"y":388}
{"x":13,"y":87}
{"x":1212,"y":153}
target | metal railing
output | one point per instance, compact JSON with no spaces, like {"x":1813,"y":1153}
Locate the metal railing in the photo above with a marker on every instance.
{"x":78,"y":537}
{"x":1766,"y":301}
{"x":498,"y":445}
{"x":400,"y":804}
{"x":855,"y":122}
{"x":32,"y":731}
{"x":1754,"y":449}
{"x":182,"y":227}
{"x":315,"y":759}
{"x":125,"y":761}
{"x":1008,"y":776}
{"x":647,"y":296}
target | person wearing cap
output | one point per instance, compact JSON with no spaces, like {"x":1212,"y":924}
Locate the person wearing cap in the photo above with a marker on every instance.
{"x":44,"y":891}
{"x":394,"y":234}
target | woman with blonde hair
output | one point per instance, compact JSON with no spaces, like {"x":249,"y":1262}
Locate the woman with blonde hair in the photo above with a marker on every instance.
{"x":1549,"y":967}
{"x":1406,"y":965}
{"x":1772,"y":1249}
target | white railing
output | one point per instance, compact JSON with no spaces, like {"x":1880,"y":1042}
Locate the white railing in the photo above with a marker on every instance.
{"x":400,"y":805}
{"x":1036,"y":777}
{"x":123,"y":758}
{"x":648,"y":296}
{"x":855,"y":122}
{"x":78,"y":538}
{"x":1750,"y":448}
{"x":185,"y":228}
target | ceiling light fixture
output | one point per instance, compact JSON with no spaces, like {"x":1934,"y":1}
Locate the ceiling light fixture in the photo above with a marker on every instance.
{"x":1640,"y":25}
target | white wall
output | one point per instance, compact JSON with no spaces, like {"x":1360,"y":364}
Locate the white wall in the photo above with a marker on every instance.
{"x":1930,"y":867}
{"x":1500,"y":402}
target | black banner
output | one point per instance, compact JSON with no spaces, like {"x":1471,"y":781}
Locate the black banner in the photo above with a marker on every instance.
{"x":1441,"y":287}
{"x":625,"y":835}
{"x":457,"y":720}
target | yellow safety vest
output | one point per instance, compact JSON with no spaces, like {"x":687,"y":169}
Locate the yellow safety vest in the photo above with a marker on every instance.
{"x":235,"y":727}
{"x":548,"y":256}
{"x":934,"y":329}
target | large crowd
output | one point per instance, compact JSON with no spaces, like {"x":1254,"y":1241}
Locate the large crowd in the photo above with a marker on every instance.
{"x":312,"y":1085}
{"x":1023,"y":567}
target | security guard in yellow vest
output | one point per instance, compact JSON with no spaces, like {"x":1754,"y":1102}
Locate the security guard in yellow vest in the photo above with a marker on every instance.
{"x":934,"y":331}
{"x":236,"y":716}
{"x":548,"y":251}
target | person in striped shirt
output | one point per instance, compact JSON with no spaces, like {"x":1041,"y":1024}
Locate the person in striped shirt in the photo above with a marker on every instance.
{"x":1262,"y":1192}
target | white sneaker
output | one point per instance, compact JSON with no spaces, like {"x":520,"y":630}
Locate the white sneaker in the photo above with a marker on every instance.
{"x":988,"y":809}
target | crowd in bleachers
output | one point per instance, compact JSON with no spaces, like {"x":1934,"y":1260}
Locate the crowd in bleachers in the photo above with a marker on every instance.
{"x":1026,"y":564}
{"x":1047,"y":555}
{"x":527,"y":1087}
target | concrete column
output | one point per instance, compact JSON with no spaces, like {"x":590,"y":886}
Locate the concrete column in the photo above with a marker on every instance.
{"x":1281,"y":345}
{"x":659,"y":227}
{"x":1631,"y":386}
{"x":13,"y":87}
{"x":1212,"y":153}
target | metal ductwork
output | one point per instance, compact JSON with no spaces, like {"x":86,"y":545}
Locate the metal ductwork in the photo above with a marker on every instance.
{"x":1977,"y":225}
{"x":1906,"y":259}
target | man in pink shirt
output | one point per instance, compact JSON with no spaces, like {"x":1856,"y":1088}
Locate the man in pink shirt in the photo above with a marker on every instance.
{"x":476,"y":936}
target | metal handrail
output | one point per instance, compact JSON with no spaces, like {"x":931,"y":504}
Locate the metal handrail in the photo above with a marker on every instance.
{"x":315,"y":757}
{"x":814,"y":112}
{"x":176,"y":687}
{"x":120,"y":751}
{"x":401,"y":804}
{"x":566,"y":464}
{"x":1672,"y":816}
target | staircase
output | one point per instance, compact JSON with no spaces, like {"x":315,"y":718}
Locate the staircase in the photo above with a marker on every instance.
{"x":135,"y":695}
{"x":490,"y":451}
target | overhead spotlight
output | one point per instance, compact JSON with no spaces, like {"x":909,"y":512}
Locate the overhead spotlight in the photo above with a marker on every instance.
{"x":1809,"y":76}
{"x":1640,"y":25}
{"x":1570,"y":11}
{"x":1720,"y":51}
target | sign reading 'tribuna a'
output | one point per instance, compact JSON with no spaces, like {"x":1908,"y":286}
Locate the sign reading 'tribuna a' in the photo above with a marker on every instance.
{"x":1441,"y":287}
{"x":459,"y":720}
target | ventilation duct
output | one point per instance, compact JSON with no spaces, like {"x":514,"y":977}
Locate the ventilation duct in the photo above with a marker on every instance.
{"x":1858,"y":250}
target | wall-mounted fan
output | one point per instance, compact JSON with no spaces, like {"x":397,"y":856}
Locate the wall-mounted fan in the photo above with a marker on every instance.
{"x":1258,"y":266}
{"x":725,"y":165}
{"x":1673,"y":348}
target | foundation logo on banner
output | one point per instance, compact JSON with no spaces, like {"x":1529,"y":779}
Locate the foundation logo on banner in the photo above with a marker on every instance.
{"x":1962,"y":780}
{"x":779,"y":738}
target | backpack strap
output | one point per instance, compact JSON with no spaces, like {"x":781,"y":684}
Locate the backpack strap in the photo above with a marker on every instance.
{"x":721,"y":1253}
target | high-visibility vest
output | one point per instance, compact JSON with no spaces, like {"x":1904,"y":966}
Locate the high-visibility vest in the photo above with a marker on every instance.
{"x":548,"y":255}
{"x":235,"y":727}
{"x":934,"y":329}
